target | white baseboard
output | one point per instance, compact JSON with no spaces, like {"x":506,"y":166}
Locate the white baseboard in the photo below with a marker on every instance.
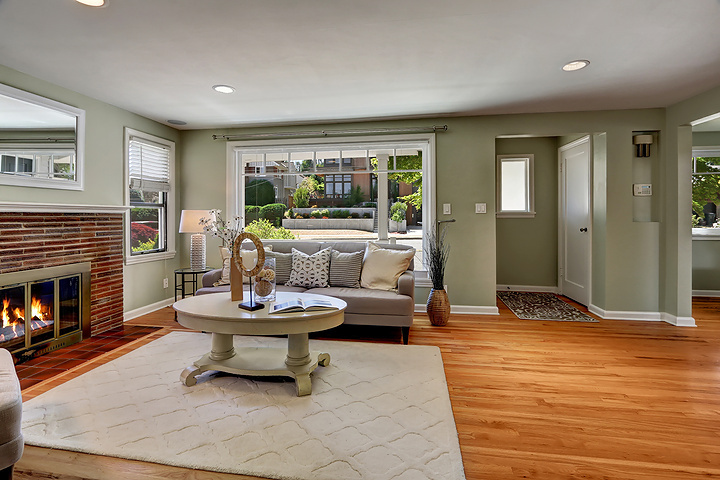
{"x":139,"y":312}
{"x":527,"y":288}
{"x":643,"y":316}
{"x":464,"y":309}
{"x":706,"y":293}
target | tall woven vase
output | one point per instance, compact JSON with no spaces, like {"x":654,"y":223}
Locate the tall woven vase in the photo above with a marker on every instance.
{"x":438,"y":307}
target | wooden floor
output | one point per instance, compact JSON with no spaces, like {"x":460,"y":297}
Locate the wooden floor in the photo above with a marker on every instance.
{"x":532,"y":399}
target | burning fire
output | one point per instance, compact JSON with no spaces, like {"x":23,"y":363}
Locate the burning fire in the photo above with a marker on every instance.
{"x":37,"y":310}
{"x":11,"y":317}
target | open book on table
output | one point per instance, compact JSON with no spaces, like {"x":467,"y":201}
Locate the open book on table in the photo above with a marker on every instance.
{"x":300,"y":305}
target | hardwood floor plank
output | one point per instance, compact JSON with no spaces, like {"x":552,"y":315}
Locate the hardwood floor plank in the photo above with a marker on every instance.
{"x":618,"y":400}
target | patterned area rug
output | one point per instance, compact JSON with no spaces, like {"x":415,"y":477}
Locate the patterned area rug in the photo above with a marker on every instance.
{"x":376,"y":412}
{"x":542,"y":306}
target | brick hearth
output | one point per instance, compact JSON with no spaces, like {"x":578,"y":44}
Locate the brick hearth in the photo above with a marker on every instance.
{"x":36,"y":240}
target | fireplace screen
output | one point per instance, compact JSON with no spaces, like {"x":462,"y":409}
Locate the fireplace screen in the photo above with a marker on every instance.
{"x":36,"y":313}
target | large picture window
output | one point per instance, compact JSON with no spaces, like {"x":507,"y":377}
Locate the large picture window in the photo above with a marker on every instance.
{"x":149,"y":172}
{"x":335,"y":191}
{"x":705,"y":192}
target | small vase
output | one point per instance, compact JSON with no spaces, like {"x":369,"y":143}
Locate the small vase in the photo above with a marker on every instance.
{"x":265,"y":282}
{"x":438,"y":307}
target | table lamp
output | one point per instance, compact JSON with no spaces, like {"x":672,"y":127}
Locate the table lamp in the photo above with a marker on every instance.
{"x":190,"y":223}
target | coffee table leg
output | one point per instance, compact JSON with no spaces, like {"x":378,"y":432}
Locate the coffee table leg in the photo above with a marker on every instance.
{"x":298,"y":350}
{"x":222,"y":346}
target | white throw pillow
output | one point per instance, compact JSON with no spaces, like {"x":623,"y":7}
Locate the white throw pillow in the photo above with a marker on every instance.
{"x":310,"y":271}
{"x":383,"y":266}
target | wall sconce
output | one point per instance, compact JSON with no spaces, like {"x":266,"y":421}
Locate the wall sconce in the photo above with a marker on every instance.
{"x":642,"y":144}
{"x":190,"y":223}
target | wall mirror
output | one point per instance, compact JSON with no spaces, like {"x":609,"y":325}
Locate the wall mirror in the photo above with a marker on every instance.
{"x":41,"y":141}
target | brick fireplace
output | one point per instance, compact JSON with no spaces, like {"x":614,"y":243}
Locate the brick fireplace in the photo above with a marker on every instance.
{"x":33,"y":240}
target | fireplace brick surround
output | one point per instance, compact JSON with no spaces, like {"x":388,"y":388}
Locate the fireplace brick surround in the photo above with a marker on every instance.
{"x":31,"y":240}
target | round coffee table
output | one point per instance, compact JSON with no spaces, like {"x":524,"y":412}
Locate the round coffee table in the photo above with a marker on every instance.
{"x":217,"y":314}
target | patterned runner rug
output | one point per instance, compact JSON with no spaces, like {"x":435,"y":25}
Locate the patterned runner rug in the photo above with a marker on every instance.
{"x":542,"y":306}
{"x":376,"y":412}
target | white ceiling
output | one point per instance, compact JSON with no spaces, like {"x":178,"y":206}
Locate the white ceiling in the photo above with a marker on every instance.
{"x":336,"y":60}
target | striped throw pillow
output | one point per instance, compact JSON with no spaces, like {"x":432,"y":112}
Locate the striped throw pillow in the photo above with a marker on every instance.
{"x":283,"y":266}
{"x":345,"y":269}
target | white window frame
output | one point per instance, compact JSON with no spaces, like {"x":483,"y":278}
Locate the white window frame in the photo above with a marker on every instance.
{"x":78,"y":145}
{"x":705,"y":233}
{"x":529,"y":210}
{"x":170,"y":208}
{"x":235,"y":198}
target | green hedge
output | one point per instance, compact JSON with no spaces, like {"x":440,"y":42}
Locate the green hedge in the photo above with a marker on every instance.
{"x":273,"y":213}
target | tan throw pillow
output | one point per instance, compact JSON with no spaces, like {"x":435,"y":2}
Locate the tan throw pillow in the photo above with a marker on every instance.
{"x":225,"y":277}
{"x":382,"y":266}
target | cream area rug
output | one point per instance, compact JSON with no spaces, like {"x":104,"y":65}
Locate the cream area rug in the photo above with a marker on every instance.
{"x":376,"y":412}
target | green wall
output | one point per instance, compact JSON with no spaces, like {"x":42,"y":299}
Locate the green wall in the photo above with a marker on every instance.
{"x":466,"y":175}
{"x":104,"y":172}
{"x":535,"y":263}
{"x":637,"y":266}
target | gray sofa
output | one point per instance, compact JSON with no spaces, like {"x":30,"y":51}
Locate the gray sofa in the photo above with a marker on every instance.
{"x":11,"y":439}
{"x":365,"y":306}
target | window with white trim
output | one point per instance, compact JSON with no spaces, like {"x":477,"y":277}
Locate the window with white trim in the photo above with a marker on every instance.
{"x":515,"y":190}
{"x":705,"y":193}
{"x":150,"y":162}
{"x":338,"y":188}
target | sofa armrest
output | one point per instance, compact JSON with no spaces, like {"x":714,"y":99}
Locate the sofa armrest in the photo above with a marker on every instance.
{"x":406,"y":284}
{"x":210,"y":278}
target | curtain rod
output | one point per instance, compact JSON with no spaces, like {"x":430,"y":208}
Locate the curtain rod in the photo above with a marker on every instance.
{"x":332,"y":133}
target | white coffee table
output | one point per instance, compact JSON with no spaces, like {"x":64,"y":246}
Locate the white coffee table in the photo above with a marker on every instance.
{"x":217,"y":314}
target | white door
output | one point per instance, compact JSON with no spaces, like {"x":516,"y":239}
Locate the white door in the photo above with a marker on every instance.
{"x":575,"y":221}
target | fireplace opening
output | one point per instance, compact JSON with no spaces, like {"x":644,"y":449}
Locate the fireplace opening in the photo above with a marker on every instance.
{"x":44,"y":309}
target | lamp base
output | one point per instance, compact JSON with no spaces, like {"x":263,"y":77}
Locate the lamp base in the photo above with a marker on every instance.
{"x":197,"y":251}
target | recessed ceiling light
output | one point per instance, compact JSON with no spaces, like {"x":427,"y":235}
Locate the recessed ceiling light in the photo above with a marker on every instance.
{"x":92,"y":3}
{"x":575,"y":65}
{"x":176,"y":122}
{"x":223,"y":88}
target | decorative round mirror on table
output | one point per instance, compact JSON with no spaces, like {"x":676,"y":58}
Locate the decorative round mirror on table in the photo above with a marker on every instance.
{"x":238,"y":259}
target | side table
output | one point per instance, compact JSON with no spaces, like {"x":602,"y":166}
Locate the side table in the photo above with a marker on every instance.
{"x":187,"y":276}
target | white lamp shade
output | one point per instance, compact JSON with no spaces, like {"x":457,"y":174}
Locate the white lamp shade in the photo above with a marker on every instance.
{"x":190,"y":220}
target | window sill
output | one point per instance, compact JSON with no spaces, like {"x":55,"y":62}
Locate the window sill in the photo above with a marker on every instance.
{"x":515,"y":214}
{"x":149,"y":257}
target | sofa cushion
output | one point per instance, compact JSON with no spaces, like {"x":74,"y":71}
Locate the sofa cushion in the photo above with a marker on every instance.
{"x":310,"y":270}
{"x":345,"y":269}
{"x":366,"y":301}
{"x":383,"y":266}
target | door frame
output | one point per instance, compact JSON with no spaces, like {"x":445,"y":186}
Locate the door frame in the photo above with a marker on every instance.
{"x":561,"y":212}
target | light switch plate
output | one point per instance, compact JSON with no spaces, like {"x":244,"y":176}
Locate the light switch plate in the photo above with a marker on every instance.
{"x":447,"y":209}
{"x":481,"y":208}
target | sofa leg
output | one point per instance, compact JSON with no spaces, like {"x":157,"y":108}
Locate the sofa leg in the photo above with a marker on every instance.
{"x":7,"y":473}
{"x":405,"y":335}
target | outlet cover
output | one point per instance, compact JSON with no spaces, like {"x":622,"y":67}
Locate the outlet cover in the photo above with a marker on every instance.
{"x":165,"y":283}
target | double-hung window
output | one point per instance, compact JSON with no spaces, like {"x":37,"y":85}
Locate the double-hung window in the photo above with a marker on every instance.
{"x":705,"y":193}
{"x":515,"y":192}
{"x":149,"y":229}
